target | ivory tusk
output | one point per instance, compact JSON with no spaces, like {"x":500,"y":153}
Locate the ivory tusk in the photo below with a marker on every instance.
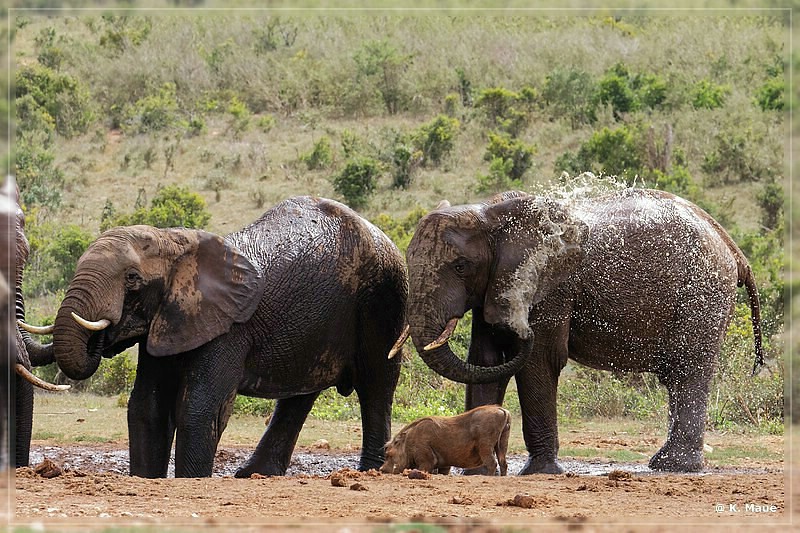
{"x":42,"y":384}
{"x":443,"y":338}
{"x":88,"y":324}
{"x":37,"y":330}
{"x":400,"y":341}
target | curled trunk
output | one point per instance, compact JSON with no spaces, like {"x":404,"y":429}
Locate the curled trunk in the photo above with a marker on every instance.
{"x":77,"y":350}
{"x":441,"y":359}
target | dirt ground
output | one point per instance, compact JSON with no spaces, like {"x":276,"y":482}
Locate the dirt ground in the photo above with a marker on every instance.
{"x":90,"y":489}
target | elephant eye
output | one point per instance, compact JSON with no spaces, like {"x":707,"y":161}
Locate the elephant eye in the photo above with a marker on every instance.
{"x":132,"y":278}
{"x":460,"y":266}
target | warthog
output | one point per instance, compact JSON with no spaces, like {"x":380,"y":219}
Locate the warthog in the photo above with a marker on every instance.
{"x":468,"y":440}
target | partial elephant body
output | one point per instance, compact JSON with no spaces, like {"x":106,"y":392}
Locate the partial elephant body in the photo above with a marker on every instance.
{"x":308,"y":297}
{"x":634,"y":281}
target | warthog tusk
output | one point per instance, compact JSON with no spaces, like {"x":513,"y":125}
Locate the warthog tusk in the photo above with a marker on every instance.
{"x":42,"y":384}
{"x":88,"y":324}
{"x":448,"y":330}
{"x":37,"y":330}
{"x":400,"y":341}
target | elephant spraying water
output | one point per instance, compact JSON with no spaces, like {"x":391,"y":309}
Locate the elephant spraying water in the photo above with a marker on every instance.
{"x":636,"y":280}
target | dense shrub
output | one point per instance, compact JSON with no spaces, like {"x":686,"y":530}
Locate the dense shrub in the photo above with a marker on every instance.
{"x":569,"y":93}
{"x":436,"y":139}
{"x":173,"y":206}
{"x":626,"y":93}
{"x":55,"y":250}
{"x":507,"y":110}
{"x":40,"y":181}
{"x":708,"y":95}
{"x":381,"y":62}
{"x":61,"y":96}
{"x":357,"y":181}
{"x":505,"y":148}
{"x":770,"y":96}
{"x":405,"y":164}
{"x":615,"y":152}
{"x":499,"y":177}
{"x":154,"y":112}
{"x":320,"y":156}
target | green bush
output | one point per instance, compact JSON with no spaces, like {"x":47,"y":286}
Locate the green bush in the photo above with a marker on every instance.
{"x":507,"y":110}
{"x":321,"y":156}
{"x":770,"y":96}
{"x":40,"y":181}
{"x":121,"y":32}
{"x":173,"y":206}
{"x":505,"y":148}
{"x":154,"y":112}
{"x":570,"y":93}
{"x":55,"y":250}
{"x":499,"y":177}
{"x":677,"y":181}
{"x":708,"y":95}
{"x":247,"y":405}
{"x":357,"y":181}
{"x":615,"y":152}
{"x":436,"y":139}
{"x":115,"y":375}
{"x":62,"y":97}
{"x":626,"y":93}
{"x":381,"y":62}
{"x":732,"y":158}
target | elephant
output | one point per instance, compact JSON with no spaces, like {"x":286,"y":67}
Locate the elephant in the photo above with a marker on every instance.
{"x":24,"y":351}
{"x":635,"y":280}
{"x":307,"y":297}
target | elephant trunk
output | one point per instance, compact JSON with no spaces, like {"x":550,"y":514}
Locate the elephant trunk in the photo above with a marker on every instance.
{"x":76,"y":351}
{"x":430,"y":337}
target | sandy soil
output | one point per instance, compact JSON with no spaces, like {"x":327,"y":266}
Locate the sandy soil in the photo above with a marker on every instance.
{"x":89,"y":489}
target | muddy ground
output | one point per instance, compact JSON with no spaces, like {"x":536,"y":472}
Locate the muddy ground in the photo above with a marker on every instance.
{"x":322,"y":490}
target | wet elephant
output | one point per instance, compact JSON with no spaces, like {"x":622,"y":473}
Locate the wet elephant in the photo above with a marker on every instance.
{"x":635,"y":281}
{"x":309,"y":296}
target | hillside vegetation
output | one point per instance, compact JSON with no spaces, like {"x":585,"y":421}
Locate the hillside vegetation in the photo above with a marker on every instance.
{"x":206,"y":120}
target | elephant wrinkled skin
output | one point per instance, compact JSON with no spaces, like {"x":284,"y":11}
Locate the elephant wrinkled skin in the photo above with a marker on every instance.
{"x":308,"y":297}
{"x":635,"y":281}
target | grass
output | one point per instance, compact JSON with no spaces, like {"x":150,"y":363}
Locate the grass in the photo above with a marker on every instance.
{"x":57,"y":420}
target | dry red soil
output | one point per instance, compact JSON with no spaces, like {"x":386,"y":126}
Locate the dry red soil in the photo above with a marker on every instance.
{"x":624,"y":497}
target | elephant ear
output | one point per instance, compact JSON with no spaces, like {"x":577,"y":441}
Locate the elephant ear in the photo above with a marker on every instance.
{"x":538,"y":244}
{"x":211,"y":286}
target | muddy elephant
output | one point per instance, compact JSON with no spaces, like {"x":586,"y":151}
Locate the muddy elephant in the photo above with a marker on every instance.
{"x":24,"y":352}
{"x":634,"y":281}
{"x":308,"y":297}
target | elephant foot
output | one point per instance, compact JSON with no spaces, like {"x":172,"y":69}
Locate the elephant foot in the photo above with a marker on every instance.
{"x":674,"y":460}
{"x":263,"y":468}
{"x":539,"y":465}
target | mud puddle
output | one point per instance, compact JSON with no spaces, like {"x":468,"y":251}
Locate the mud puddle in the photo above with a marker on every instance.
{"x":318,"y":463}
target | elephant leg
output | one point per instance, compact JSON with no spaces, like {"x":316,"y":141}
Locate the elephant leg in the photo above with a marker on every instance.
{"x":151,"y":416}
{"x":537,"y":386}
{"x":209,"y":382}
{"x":23,"y":420}
{"x":274,"y":451}
{"x":375,"y":403}
{"x":683,"y":450}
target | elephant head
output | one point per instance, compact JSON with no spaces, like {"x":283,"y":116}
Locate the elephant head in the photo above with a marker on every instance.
{"x":497,"y":259}
{"x":173,"y":289}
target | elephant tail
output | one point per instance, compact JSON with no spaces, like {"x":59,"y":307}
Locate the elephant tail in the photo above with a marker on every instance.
{"x":747,"y":279}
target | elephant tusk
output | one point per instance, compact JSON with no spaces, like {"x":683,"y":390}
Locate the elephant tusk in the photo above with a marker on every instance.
{"x":443,"y":338}
{"x":399,"y":344}
{"x":88,"y":324}
{"x":36,"y":330}
{"x":42,"y":384}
